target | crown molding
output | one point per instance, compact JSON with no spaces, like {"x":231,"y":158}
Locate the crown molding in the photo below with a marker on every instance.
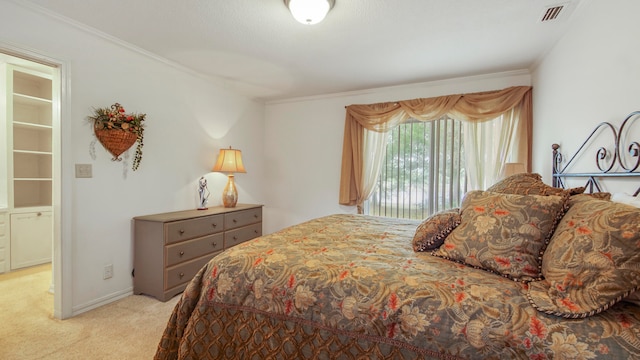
{"x":434,"y":83}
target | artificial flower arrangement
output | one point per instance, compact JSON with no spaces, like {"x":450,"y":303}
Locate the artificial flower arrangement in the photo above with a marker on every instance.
{"x":130,"y":125}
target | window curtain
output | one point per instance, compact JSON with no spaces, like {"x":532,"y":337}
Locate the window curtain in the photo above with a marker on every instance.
{"x":488,"y":145}
{"x":362,"y":153}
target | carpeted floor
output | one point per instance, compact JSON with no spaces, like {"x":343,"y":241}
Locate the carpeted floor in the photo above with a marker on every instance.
{"x":127,"y":329}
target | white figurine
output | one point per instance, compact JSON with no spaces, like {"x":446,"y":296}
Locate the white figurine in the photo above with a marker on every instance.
{"x":203,"y":193}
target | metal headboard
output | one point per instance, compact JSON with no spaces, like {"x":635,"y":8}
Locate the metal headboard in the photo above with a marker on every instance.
{"x":622,"y":161}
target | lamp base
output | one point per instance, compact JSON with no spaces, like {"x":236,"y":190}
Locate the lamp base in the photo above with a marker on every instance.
{"x":230,"y":194}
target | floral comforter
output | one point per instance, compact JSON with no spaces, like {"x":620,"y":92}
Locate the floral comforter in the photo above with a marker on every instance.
{"x":351,"y":287}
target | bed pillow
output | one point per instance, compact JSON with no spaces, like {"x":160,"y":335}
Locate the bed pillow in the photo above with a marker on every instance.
{"x":591,"y":261}
{"x":625,"y":198}
{"x":530,"y":184}
{"x":431,"y":233}
{"x":504,"y":233}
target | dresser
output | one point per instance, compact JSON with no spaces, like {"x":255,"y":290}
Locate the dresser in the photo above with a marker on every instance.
{"x":170,"y":248}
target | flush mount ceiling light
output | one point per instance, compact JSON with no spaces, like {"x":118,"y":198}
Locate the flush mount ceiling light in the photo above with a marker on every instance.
{"x":309,"y":12}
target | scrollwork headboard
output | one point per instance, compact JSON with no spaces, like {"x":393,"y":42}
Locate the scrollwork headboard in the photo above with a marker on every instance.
{"x":618,"y":159}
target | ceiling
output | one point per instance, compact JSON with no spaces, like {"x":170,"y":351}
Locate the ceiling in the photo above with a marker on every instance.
{"x":258,"y":48}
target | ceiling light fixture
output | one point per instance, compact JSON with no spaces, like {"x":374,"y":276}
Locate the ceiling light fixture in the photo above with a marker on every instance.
{"x":309,"y":12}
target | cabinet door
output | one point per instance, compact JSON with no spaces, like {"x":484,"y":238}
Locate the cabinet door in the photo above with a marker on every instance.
{"x":31,"y":239}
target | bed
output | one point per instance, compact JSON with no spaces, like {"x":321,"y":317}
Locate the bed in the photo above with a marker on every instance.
{"x":522,"y":270}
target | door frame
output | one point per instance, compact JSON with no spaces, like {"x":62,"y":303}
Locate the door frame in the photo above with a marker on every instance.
{"x":62,"y":206}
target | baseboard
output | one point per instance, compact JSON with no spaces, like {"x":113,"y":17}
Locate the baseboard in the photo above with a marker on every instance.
{"x":107,"y":299}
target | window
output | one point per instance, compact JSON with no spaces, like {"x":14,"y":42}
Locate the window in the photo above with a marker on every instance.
{"x":423,"y":170}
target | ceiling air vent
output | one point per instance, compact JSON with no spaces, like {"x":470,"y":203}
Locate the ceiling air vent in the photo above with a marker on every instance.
{"x":551,"y":13}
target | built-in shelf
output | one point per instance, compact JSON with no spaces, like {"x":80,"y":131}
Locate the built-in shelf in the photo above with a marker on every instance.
{"x":30,"y":100}
{"x":32,"y":152}
{"x":27,"y":123}
{"x":31,"y":180}
{"x":30,"y":138}
{"x":32,"y":193}
{"x":31,"y":125}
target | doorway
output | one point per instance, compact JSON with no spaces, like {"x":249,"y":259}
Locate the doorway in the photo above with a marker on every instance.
{"x":30,"y":181}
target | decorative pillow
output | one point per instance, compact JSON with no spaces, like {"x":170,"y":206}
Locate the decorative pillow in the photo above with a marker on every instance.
{"x":576,"y":190}
{"x":625,"y":198}
{"x":504,"y":233}
{"x":530,"y":184}
{"x":524,"y":184}
{"x":431,"y":233}
{"x":591,"y":261}
{"x":634,"y":298}
{"x":587,"y":197}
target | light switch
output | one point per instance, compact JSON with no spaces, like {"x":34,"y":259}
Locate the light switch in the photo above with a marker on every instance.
{"x":84,"y":171}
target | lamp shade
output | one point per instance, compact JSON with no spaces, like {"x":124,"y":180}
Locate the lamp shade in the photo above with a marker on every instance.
{"x":309,"y":12}
{"x":513,"y":168}
{"x":229,"y":161}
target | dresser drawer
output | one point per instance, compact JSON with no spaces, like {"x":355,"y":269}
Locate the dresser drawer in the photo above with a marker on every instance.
{"x":241,"y":218}
{"x":183,"y":273}
{"x":237,"y":236}
{"x":190,"y":249}
{"x":193,"y":228}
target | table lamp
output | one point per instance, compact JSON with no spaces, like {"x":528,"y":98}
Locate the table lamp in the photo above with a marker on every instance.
{"x":229,"y":161}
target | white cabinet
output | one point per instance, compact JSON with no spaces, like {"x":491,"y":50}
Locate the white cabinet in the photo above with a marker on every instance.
{"x":30,"y":239}
{"x":27,"y":184}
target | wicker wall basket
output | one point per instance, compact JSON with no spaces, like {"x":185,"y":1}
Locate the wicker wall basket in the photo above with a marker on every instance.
{"x":116,"y":141}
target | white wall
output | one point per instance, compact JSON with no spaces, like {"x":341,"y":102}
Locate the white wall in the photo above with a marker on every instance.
{"x":592,"y":75}
{"x":188,"y":120}
{"x":303,"y":143}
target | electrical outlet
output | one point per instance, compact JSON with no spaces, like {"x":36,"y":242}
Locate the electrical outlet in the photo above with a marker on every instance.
{"x":107,"y":272}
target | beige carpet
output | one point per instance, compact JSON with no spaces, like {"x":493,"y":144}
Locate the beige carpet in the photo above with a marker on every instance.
{"x":127,"y":329}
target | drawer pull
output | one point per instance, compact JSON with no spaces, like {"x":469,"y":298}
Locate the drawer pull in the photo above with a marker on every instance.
{"x":181,"y":275}
{"x":214,"y":244}
{"x":235,"y":238}
{"x":255,"y":216}
{"x":214,"y":225}
{"x":255,"y":231}
{"x":235,"y":221}
{"x":181,"y":231}
{"x":181,"y":253}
